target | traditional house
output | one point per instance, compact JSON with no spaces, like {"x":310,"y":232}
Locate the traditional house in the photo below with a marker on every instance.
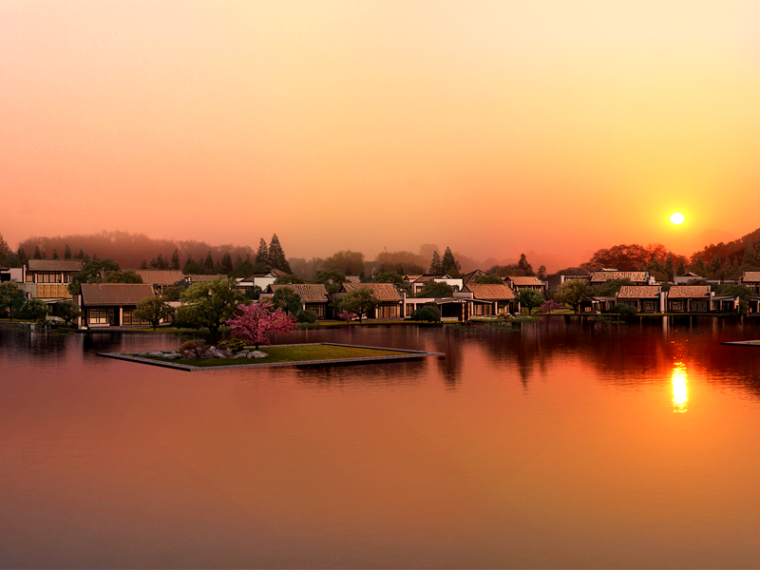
{"x":260,"y":280}
{"x":389,"y":297}
{"x":685,"y":278}
{"x":636,"y":277}
{"x":518,"y":283}
{"x":314,"y":296}
{"x":111,"y":304}
{"x":456,"y":283}
{"x":5,"y":273}
{"x":472,"y":275}
{"x":690,"y":299}
{"x":498,"y":298}
{"x":752,"y":280}
{"x":160,"y":278}
{"x":197,"y":277}
{"x":48,"y":279}
{"x":597,"y":304}
{"x":644,"y":298}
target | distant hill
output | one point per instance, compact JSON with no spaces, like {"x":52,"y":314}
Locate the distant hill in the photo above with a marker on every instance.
{"x":731,"y":249}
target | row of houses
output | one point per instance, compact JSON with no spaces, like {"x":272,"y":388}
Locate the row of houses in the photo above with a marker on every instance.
{"x":653,"y":299}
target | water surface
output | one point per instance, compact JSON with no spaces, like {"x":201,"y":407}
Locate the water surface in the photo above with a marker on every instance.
{"x":562,"y":445}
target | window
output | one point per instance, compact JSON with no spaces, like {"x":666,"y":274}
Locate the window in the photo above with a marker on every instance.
{"x":100,"y":316}
{"x":676,"y":305}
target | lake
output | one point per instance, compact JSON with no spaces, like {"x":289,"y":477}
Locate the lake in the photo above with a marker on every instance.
{"x":560,"y":445}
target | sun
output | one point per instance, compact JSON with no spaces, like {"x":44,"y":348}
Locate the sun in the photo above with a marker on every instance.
{"x":677,"y":218}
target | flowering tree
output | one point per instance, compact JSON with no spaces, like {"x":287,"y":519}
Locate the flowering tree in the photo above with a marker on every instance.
{"x":257,"y":322}
{"x":549,"y":306}
{"x":347,"y":316}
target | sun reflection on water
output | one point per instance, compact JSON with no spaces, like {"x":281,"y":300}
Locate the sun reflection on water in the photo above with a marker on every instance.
{"x":680,"y":389}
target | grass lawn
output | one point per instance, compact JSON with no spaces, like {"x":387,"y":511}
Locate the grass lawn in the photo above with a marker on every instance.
{"x":289,"y":354}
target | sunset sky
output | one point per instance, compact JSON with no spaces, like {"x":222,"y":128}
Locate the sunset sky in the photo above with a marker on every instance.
{"x":554,"y":128}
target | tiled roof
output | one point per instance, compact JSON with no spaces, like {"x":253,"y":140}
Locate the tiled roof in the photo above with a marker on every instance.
{"x":688,"y":291}
{"x":3,"y":267}
{"x":195,"y":277}
{"x":114,"y":293}
{"x":160,"y":276}
{"x":523,"y":281}
{"x":428,"y":277}
{"x":639,"y":292}
{"x":472,"y":275}
{"x":489,"y":291}
{"x":382,"y":291}
{"x":635,"y":276}
{"x":751,"y":277}
{"x":54,"y":265}
{"x":309,"y":292}
{"x":353,"y":279}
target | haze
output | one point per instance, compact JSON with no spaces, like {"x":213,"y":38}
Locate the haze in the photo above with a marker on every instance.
{"x":494,"y":127}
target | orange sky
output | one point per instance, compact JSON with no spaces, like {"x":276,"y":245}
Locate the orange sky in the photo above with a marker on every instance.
{"x":493,"y":127}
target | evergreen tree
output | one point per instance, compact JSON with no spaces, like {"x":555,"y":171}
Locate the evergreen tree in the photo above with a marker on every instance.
{"x":348,"y":269}
{"x":144,"y":264}
{"x":67,"y":252}
{"x":175,"y":260}
{"x":4,"y":248}
{"x":226,"y":265}
{"x":80,"y":255}
{"x":524,"y":265}
{"x":277,"y":257}
{"x":435,"y":265}
{"x":187,"y":263}
{"x":698,"y":265}
{"x":262,"y":255}
{"x":153,"y":263}
{"x":714,"y":268}
{"x":735,"y":273}
{"x":680,"y":270}
{"x":37,"y":252}
{"x":22,"y":258}
{"x":669,"y":266}
{"x":208,"y":265}
{"x":55,"y":254}
{"x":725,"y":270}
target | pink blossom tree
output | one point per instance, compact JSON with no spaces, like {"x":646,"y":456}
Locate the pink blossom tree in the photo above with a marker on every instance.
{"x":549,"y":306}
{"x":257,"y":322}
{"x":347,"y":316}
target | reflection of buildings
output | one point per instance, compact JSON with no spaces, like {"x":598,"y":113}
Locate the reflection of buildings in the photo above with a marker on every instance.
{"x":680,"y":389}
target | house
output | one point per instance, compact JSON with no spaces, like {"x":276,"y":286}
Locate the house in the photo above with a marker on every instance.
{"x":690,"y":299}
{"x":456,"y":283}
{"x":752,"y":280}
{"x":353,"y":279}
{"x":198,"y":277}
{"x":498,"y":299}
{"x":518,"y":283}
{"x":48,"y":279}
{"x":597,"y":304}
{"x":160,"y":278}
{"x":260,"y":280}
{"x":472,"y":275}
{"x":685,"y":278}
{"x":389,"y":297}
{"x":314,"y":296}
{"x":636,"y":277}
{"x":644,"y":298}
{"x":111,"y":304}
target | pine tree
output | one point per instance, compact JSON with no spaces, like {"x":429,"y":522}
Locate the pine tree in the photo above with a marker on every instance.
{"x":698,"y":265}
{"x":725,"y":270}
{"x":524,"y":265}
{"x":144,"y":264}
{"x":153,"y":263}
{"x":226,"y":265}
{"x":55,"y":254}
{"x":714,"y":268}
{"x":681,"y":269}
{"x":67,"y":252}
{"x":22,"y":258}
{"x":208,"y":265}
{"x":4,"y":248}
{"x":735,"y":273}
{"x":348,"y":269}
{"x":262,"y":255}
{"x":37,"y":252}
{"x":277,"y":257}
{"x":175,"y":260}
{"x":435,"y":264}
{"x":669,"y":266}
{"x":187,"y":263}
{"x":80,"y":255}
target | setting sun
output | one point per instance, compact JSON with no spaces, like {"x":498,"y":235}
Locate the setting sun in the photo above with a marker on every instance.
{"x":677,"y":218}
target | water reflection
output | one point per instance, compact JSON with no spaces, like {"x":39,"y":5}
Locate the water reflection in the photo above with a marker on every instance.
{"x":680,"y":389}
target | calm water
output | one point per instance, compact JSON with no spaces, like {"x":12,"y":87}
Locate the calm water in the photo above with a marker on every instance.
{"x":563,"y":445}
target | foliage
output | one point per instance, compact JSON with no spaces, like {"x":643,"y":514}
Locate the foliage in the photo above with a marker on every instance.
{"x":122,"y":277}
{"x":436,"y":267}
{"x":624,"y":310}
{"x":209,"y":303}
{"x":742,"y":291}
{"x":360,"y":301}
{"x":92,"y":272}
{"x":256,"y":323}
{"x":550,"y":306}
{"x":347,"y":316}
{"x":193,"y":348}
{"x":523,"y":265}
{"x":36,"y":308}
{"x":11,"y":297}
{"x":153,"y":309}
{"x":489,"y":280}
{"x":345,"y":259}
{"x":289,"y":280}
{"x":611,"y":287}
{"x":173,"y":293}
{"x":433,"y":290}
{"x":234,"y":345}
{"x":67,"y":310}
{"x":394,"y":278}
{"x":288,"y":300}
{"x":276,"y":258}
{"x":681,"y":269}
{"x":448,"y":263}
{"x":530,"y":299}
{"x":306,"y":316}
{"x":427,"y":313}
{"x":331,"y":280}
{"x":573,"y":292}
